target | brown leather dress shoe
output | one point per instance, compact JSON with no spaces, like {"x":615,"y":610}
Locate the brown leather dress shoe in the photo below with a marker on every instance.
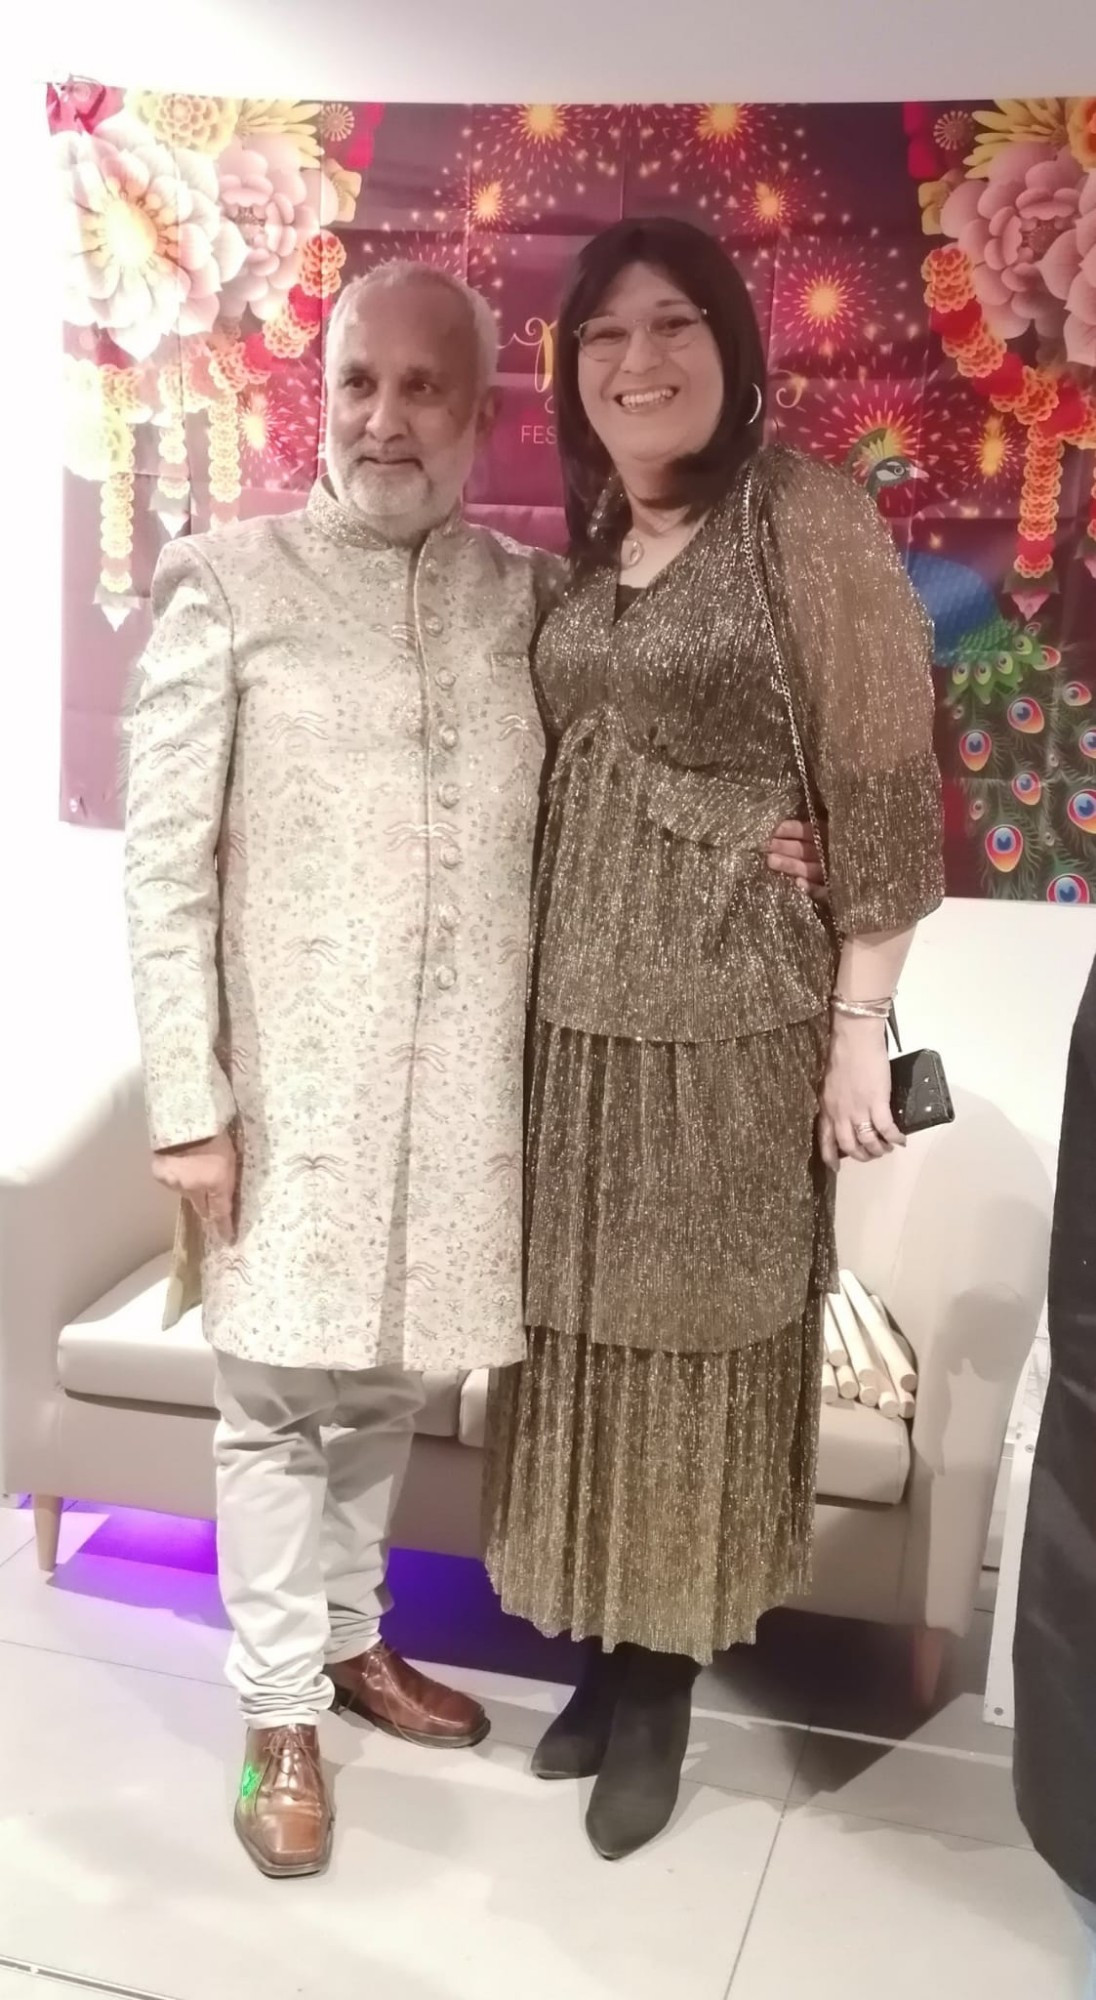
{"x":398,"y":1699}
{"x":283,"y":1814}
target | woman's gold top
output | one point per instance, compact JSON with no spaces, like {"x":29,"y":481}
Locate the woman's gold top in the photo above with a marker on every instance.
{"x":658,"y":916}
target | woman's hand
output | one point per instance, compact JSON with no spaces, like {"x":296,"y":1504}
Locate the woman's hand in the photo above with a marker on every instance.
{"x":854,"y":1120}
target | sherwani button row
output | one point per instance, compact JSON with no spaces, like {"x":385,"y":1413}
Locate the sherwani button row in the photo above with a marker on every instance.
{"x":449,"y":795}
{"x":445,"y":977}
{"x":433,"y":625}
{"x":445,"y":678}
{"x":450,"y":858}
{"x":447,"y":737}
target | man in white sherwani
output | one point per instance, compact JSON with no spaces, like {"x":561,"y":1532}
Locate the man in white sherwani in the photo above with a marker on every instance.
{"x":333,"y":782}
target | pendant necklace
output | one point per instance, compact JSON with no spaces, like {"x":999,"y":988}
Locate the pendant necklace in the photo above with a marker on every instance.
{"x":634,"y":547}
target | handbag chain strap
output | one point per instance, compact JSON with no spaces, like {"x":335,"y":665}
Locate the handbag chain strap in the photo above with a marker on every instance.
{"x":784,"y":685}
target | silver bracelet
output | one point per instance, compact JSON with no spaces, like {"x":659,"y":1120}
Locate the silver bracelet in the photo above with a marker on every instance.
{"x":861,"y":1010}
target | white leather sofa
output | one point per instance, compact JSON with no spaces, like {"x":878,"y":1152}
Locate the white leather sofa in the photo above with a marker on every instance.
{"x":98,"y":1403}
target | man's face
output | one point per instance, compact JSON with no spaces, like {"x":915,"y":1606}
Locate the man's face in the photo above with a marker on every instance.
{"x":405,"y":408}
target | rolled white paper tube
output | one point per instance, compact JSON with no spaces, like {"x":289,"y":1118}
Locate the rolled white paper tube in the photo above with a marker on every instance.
{"x":904,"y":1347}
{"x":848,"y":1388}
{"x":877,"y":1325}
{"x":832,"y":1344}
{"x":870,"y":1372}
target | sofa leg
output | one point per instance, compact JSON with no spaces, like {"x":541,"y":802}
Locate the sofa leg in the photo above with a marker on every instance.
{"x":47,"y":1530}
{"x":929,"y":1653}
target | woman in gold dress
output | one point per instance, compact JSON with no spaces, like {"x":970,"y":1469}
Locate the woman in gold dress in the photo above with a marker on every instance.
{"x":707,"y":1044}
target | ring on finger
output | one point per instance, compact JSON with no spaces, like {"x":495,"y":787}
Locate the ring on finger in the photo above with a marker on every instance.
{"x":865,"y":1131}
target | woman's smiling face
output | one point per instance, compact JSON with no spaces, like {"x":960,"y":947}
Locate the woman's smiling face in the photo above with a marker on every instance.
{"x":649,"y":375}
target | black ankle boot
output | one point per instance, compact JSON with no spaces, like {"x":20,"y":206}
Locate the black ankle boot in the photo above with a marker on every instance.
{"x":640,"y":1775}
{"x":575,"y":1743}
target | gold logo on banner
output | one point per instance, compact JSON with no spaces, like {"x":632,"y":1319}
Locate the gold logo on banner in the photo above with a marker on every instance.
{"x":540,"y":334}
{"x":791,"y":390}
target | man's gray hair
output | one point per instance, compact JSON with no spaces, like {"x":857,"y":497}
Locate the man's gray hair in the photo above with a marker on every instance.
{"x":402,"y":271}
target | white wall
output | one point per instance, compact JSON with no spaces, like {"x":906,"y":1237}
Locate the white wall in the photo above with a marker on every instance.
{"x":994,"y":986}
{"x":471,"y":50}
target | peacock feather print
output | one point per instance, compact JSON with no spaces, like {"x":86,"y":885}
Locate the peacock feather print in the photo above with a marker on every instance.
{"x":1017,"y":733}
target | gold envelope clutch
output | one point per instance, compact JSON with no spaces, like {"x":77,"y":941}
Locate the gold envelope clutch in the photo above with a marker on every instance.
{"x":184,"y":1285}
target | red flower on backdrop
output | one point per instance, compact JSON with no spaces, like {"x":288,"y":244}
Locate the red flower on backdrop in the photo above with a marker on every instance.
{"x":936,"y":140}
{"x":79,"y":106}
{"x":100,"y":348}
{"x":307,"y":308}
{"x":925,"y":160}
{"x":359,"y":152}
{"x":260,"y":360}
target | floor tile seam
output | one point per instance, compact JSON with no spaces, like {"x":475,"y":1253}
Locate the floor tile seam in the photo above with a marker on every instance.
{"x":993,"y":1758}
{"x":748,"y":1926}
{"x":78,"y":1982}
{"x":14,"y":1554}
{"x":989,"y":1759}
{"x":868,"y":1819}
{"x":780,"y":1797}
{"x":96,"y":1660}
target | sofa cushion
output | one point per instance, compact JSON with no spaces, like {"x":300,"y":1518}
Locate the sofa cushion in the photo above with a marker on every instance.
{"x":119,"y":1350}
{"x":861,"y":1455}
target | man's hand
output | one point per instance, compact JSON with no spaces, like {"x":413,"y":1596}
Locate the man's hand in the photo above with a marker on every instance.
{"x":792,"y":851}
{"x":205,"y":1175}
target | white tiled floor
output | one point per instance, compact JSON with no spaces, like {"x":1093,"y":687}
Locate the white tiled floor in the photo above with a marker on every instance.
{"x":826,"y":1845}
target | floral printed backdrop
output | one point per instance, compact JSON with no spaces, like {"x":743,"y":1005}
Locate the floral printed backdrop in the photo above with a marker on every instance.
{"x":925,"y":275}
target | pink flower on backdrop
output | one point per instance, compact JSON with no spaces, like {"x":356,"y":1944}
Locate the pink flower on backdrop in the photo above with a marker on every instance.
{"x":147,"y":250}
{"x":1007,"y":224}
{"x":80,"y":106}
{"x":1069,"y":269}
{"x":276,"y":204}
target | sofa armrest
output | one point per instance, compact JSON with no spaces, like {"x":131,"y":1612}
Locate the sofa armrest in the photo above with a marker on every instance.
{"x":968,"y":1289}
{"x":79,"y":1211}
{"x":965,"y":1394}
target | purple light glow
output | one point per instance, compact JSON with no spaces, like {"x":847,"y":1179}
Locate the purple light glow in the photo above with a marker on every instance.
{"x":169,"y":1540}
{"x":444,"y":1609}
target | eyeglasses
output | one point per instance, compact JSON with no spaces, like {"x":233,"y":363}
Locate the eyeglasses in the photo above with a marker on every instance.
{"x":608,"y":339}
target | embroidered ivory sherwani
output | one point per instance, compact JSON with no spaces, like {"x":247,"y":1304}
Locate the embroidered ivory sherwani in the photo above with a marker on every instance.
{"x":334,"y":767}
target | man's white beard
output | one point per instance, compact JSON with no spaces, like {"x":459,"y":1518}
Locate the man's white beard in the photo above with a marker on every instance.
{"x":389,"y":499}
{"x":405,"y":505}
